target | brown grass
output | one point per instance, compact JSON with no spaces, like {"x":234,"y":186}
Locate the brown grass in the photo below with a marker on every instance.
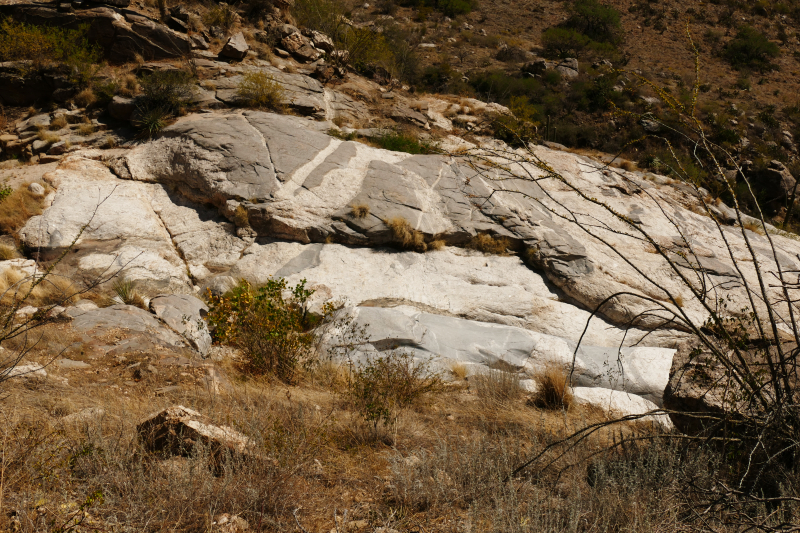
{"x":553,"y":388}
{"x":405,"y":235}
{"x":47,"y":136}
{"x":754,"y":226}
{"x":359,"y":211}
{"x":15,"y":210}
{"x":8,"y":252}
{"x":58,"y":123}
{"x":85,"y":98}
{"x":496,"y":387}
{"x":86,"y":129}
{"x":488,"y":244}
{"x":54,"y":289}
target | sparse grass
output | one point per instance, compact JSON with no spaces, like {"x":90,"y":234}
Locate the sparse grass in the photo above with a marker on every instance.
{"x":553,"y":388}
{"x":436,"y":244}
{"x":223,"y":16}
{"x":260,"y":90}
{"x":359,"y":211}
{"x":405,"y":235}
{"x":754,"y":226}
{"x":86,"y":129}
{"x":126,"y":290}
{"x":496,"y":387}
{"x":459,"y":371}
{"x":55,"y":289}
{"x":488,"y":244}
{"x":404,"y":142}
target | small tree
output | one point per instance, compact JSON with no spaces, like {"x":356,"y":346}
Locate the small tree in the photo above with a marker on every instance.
{"x":751,"y":49}
{"x":597,"y":21}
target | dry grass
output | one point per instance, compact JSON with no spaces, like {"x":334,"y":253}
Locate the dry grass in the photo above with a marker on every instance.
{"x":15,"y":210}
{"x":436,"y":244}
{"x":58,"y":123}
{"x":488,"y":244}
{"x":405,"y":235}
{"x":86,"y":129}
{"x":496,"y":387}
{"x":85,"y":98}
{"x":459,"y":371}
{"x":754,"y":226}
{"x":128,"y":293}
{"x":47,"y":136}
{"x":553,"y":388}
{"x":8,"y":252}
{"x":55,"y":289}
{"x":359,"y":211}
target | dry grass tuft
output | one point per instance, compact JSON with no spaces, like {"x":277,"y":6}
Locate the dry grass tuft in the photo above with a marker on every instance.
{"x":405,"y":235}
{"x":437,"y":244}
{"x":754,"y":226}
{"x":17,"y":208}
{"x":126,"y":290}
{"x":553,"y":391}
{"x":47,"y":136}
{"x":360,"y":210}
{"x":86,"y":129}
{"x":85,"y":98}
{"x":55,"y":289}
{"x":488,"y":244}
{"x":459,"y":371}
{"x":58,"y":123}
{"x":8,"y":252}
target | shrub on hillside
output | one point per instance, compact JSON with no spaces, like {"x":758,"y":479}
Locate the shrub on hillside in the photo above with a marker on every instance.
{"x":259,"y":89}
{"x":398,"y":141}
{"x":564,"y":42}
{"x":597,"y":21}
{"x":751,"y":49}
{"x":382,"y":384}
{"x":164,"y":93}
{"x":270,"y":324}
{"x":44,"y":46}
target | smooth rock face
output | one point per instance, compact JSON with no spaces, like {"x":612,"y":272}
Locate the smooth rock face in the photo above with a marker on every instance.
{"x":32,"y":372}
{"x":640,"y":371}
{"x":617,"y":403}
{"x":125,"y":317}
{"x":185,"y":314}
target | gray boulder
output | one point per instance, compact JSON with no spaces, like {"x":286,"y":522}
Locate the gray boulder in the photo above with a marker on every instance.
{"x":186,"y":315}
{"x":236,"y":47}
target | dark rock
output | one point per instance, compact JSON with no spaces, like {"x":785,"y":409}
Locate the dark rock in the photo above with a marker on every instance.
{"x":300,"y":47}
{"x":142,"y":36}
{"x":320,"y":40}
{"x":180,"y":13}
{"x":236,"y":47}
{"x":198,"y":42}
{"x":121,"y":108}
{"x":402,"y":113}
{"x":779,"y":179}
{"x":177,"y":25}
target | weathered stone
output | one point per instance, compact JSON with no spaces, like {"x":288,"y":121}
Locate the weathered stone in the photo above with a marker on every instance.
{"x":300,"y":47}
{"x":179,"y":430}
{"x":36,"y":188}
{"x":568,"y":67}
{"x":779,"y":179}
{"x":186,"y":315}
{"x":236,"y":47}
{"x":198,"y":42}
{"x":121,"y":108}
{"x":616,"y":403}
{"x":31,"y":372}
{"x":97,"y":322}
{"x":320,"y":40}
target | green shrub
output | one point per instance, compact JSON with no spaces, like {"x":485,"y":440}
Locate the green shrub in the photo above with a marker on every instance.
{"x":126,"y":290}
{"x":597,"y":21}
{"x":271,"y":330}
{"x":751,"y":49}
{"x":403,"y":142}
{"x":564,"y":42}
{"x":384,"y":383}
{"x":259,"y":89}
{"x":222,"y":15}
{"x":46,"y":45}
{"x":169,"y":90}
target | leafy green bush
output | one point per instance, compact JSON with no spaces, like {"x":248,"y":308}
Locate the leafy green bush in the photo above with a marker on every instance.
{"x":397,"y":141}
{"x":751,"y":49}
{"x":259,"y":89}
{"x":597,"y":21}
{"x":46,"y":45}
{"x":564,"y":42}
{"x":384,"y":383}
{"x":271,"y":330}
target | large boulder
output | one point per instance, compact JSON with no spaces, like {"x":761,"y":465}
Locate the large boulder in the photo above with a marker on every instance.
{"x":236,"y":47}
{"x":184,"y":314}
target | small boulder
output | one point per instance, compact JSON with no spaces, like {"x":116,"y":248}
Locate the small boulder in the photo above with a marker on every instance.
{"x":121,"y":108}
{"x":58,"y":148}
{"x":32,"y":372}
{"x":236,"y":47}
{"x":198,"y":42}
{"x":36,"y":188}
{"x":178,"y":430}
{"x":320,"y":40}
{"x":226,"y":523}
{"x":300,"y":47}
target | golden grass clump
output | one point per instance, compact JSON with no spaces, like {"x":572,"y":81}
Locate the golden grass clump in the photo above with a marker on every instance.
{"x":483,"y":242}
{"x":8,"y":252}
{"x":17,"y":208}
{"x":58,"y":123}
{"x":405,"y":235}
{"x":54,"y":289}
{"x":553,"y":388}
{"x":86,"y":129}
{"x":47,"y":136}
{"x":85,"y":98}
{"x":126,"y":290}
{"x":360,"y":210}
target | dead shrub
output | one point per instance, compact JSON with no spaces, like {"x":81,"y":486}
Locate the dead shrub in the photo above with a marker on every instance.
{"x":406,"y":236}
{"x":360,"y":211}
{"x":553,"y":388}
{"x":483,"y":242}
